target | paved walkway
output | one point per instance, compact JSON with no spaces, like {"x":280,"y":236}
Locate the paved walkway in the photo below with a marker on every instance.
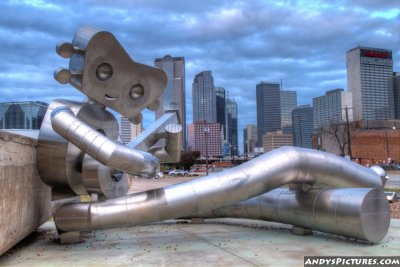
{"x":224,"y":242}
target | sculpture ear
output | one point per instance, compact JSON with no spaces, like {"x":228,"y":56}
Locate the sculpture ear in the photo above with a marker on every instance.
{"x":101,"y":69}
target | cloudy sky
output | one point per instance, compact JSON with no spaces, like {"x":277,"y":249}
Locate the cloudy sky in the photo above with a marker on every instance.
{"x":302,"y":43}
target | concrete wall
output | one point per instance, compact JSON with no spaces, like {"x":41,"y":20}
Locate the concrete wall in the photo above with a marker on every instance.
{"x":25,"y":201}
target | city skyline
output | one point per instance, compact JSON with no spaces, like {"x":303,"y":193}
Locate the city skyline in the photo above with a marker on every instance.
{"x":243,"y":43}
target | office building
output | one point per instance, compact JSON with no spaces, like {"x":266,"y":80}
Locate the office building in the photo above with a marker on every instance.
{"x":22,"y":115}
{"x":302,"y":118}
{"x":232,"y":124}
{"x":245,"y":141}
{"x":276,"y":139}
{"x":288,"y":103}
{"x":221,"y":108}
{"x":204,"y":98}
{"x":128,"y":130}
{"x":331,"y":108}
{"x":268,"y":108}
{"x":250,"y":139}
{"x":370,"y":80}
{"x":173,"y":97}
{"x":206,"y":138}
{"x":396,"y":87}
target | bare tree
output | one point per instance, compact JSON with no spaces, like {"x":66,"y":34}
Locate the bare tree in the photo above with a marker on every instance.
{"x":337,"y":132}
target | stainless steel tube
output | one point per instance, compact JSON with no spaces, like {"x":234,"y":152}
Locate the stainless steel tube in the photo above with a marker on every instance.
{"x":98,"y":146}
{"x":361,"y":213}
{"x":163,"y":138}
{"x":279,"y":167}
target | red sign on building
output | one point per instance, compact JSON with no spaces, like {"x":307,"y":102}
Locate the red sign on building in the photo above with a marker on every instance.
{"x":376,"y":54}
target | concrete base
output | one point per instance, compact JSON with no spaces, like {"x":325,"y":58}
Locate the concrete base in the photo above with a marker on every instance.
{"x":70,"y":238}
{"x":222,"y":242}
{"x":24,"y":198}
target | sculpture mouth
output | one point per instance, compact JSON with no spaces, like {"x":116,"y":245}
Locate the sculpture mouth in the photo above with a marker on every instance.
{"x":110,"y":98}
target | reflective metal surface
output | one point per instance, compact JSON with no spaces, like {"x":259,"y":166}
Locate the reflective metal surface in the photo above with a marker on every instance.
{"x":103,"y":180}
{"x":162,"y":138}
{"x":102,"y":70}
{"x":279,"y":167}
{"x":78,"y":152}
{"x":98,"y":146}
{"x":59,"y":162}
{"x":361,"y":213}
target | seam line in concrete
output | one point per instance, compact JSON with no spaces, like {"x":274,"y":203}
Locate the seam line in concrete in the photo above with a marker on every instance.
{"x":205,"y":240}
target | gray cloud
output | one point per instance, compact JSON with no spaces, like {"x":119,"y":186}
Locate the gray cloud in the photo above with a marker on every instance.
{"x":243,"y":42}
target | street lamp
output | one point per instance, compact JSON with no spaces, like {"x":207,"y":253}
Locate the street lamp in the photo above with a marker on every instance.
{"x":206,"y":133}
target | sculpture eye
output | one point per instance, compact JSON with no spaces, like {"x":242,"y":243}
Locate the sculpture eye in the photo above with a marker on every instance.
{"x":136,"y":91}
{"x":104,"y":72}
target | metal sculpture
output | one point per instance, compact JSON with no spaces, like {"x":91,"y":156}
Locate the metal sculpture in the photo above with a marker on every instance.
{"x":78,"y":153}
{"x":78,"y":149}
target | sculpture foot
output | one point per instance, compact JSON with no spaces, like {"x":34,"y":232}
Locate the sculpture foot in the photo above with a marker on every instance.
{"x":70,"y":238}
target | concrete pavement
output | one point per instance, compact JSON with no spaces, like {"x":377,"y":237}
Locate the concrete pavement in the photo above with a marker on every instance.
{"x":223,"y":242}
{"x":394,"y":180}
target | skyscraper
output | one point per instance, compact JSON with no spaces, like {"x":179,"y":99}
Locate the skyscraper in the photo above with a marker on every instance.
{"x":204,"y":99}
{"x":22,"y":115}
{"x":232,"y":124}
{"x":221,"y":108}
{"x":268,"y":108}
{"x":396,"y":87}
{"x":245,"y":141}
{"x":370,"y":80}
{"x":331,"y":108}
{"x":288,"y":103}
{"x":302,"y":118}
{"x":174,"y":93}
{"x":250,"y":139}
{"x":128,"y":130}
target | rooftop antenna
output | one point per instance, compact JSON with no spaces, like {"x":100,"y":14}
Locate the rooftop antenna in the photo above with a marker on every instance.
{"x":281,"y":85}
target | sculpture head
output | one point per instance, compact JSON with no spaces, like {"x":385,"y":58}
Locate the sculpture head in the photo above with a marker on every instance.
{"x":101,"y":69}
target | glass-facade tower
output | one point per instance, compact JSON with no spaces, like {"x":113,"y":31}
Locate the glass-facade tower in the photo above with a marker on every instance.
{"x":204,"y":98}
{"x":302,"y":118}
{"x":268,"y":108}
{"x":288,"y":103}
{"x":370,"y":80}
{"x":221,"y":108}
{"x":396,"y":86}
{"x":173,"y":97}
{"x":232,"y":124}
{"x":22,"y":115}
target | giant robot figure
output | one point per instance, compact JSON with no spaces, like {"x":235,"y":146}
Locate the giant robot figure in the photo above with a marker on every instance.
{"x":79,"y":153}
